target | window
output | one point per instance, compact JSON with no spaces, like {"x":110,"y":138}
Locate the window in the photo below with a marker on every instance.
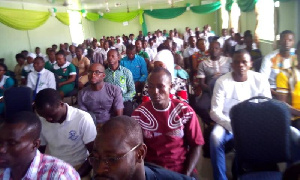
{"x":224,"y":15}
{"x":76,"y":30}
{"x":265,"y":20}
{"x":234,"y":16}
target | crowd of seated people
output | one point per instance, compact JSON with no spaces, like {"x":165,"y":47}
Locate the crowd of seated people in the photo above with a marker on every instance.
{"x":165,"y":81}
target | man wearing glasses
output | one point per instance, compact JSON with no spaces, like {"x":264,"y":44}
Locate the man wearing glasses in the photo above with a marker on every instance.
{"x":119,"y":153}
{"x":100,"y":98}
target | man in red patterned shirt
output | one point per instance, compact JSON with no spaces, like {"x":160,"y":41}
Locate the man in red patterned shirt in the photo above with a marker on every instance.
{"x":170,"y":127}
{"x":19,"y":154}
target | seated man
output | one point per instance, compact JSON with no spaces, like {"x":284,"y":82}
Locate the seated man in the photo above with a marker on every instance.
{"x":67,"y":132}
{"x":19,"y":155}
{"x":122,"y":77}
{"x":100,"y":98}
{"x":40,"y":78}
{"x":27,"y":68}
{"x":171,"y":129}
{"x":288,"y":87}
{"x":119,"y":145}
{"x":282,"y":58}
{"x":230,"y":89}
{"x":141,"y":52}
{"x":138,"y":67}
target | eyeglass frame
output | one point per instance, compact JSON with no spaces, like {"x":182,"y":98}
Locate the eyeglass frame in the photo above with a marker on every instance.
{"x":95,"y":72}
{"x":108,"y":159}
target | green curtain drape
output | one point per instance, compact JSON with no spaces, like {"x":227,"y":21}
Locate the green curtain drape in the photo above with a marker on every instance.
{"x":246,"y":5}
{"x":165,"y":13}
{"x":228,"y":5}
{"x":63,"y":18}
{"x":144,"y":26}
{"x":207,"y":8}
{"x":92,"y":16}
{"x":124,"y":16}
{"x":23,"y":19}
{"x":283,"y":0}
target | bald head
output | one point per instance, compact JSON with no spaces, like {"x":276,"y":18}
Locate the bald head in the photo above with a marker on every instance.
{"x":125,"y":128}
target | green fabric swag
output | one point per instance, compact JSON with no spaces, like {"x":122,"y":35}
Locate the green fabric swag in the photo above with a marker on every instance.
{"x":23,"y":19}
{"x":63,"y":18}
{"x":165,"y":13}
{"x":246,"y":5}
{"x":228,"y":5}
{"x":207,"y":8}
{"x":124,"y":16}
{"x":92,"y":16}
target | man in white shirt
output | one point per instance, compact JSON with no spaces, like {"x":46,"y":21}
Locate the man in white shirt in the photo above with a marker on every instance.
{"x":121,"y":47}
{"x":104,"y":51}
{"x":190,"y":51}
{"x":40,"y":78}
{"x":72,"y":54}
{"x":230,"y":89}
{"x":148,"y":36}
{"x":67,"y":132}
{"x":186,"y":34}
{"x":223,"y":38}
{"x":39,"y":54}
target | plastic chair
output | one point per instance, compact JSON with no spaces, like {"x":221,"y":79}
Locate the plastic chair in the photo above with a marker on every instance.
{"x":17,"y":99}
{"x":261,"y":128}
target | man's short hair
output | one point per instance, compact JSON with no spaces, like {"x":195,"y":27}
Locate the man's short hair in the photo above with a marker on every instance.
{"x":129,"y":125}
{"x":30,"y":119}
{"x":79,"y":47}
{"x":39,"y":59}
{"x":241,"y":51}
{"x":116,"y":50}
{"x":47,"y":96}
{"x":130,"y":47}
{"x":161,"y":69}
{"x":19,"y":55}
{"x":285,"y":32}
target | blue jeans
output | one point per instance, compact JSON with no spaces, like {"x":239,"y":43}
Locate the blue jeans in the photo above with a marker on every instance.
{"x":218,"y":139}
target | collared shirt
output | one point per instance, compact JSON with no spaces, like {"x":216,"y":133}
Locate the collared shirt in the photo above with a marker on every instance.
{"x":121,"y":77}
{"x":47,"y":80}
{"x":65,"y":71}
{"x":104,"y":53}
{"x":81,"y":64}
{"x":189,"y":51}
{"x":49,"y":65}
{"x":137,"y":66}
{"x":101,"y":102}
{"x":67,"y":141}
{"x":45,"y":167}
{"x":143,"y":54}
{"x":70,"y":57}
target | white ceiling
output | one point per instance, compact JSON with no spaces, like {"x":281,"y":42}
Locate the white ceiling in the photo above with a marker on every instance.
{"x":112,"y":5}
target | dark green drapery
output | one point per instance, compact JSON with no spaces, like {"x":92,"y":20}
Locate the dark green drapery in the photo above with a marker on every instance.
{"x":144,"y":26}
{"x":246,"y":5}
{"x":228,"y":5}
{"x":165,"y":13}
{"x":207,"y":8}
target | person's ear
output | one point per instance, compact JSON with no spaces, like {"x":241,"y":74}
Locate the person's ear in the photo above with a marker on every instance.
{"x":36,"y":144}
{"x":141,"y":154}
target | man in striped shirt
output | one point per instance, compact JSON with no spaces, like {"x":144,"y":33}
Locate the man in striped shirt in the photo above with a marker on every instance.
{"x":19,"y":154}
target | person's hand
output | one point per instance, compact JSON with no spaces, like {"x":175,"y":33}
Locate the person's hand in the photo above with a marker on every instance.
{"x":60,"y":85}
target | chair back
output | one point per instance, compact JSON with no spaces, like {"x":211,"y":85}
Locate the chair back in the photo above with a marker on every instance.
{"x":261,"y":128}
{"x":17,"y":99}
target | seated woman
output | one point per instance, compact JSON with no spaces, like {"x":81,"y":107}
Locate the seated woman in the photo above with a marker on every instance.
{"x":66,"y":73}
{"x":165,"y":59}
{"x":5,"y":83}
{"x":208,"y":72}
{"x":83,"y":64}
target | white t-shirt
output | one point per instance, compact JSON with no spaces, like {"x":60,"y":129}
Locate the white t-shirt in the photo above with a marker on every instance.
{"x":189,"y":51}
{"x":228,"y":93}
{"x":47,"y":80}
{"x":222,"y":40}
{"x":67,"y":140}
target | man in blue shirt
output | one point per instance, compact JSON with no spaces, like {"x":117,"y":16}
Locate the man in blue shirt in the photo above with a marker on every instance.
{"x":138,"y":67}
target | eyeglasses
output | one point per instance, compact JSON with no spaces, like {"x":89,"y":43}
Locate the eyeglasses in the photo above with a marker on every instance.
{"x":109,"y":160}
{"x":95,"y":72}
